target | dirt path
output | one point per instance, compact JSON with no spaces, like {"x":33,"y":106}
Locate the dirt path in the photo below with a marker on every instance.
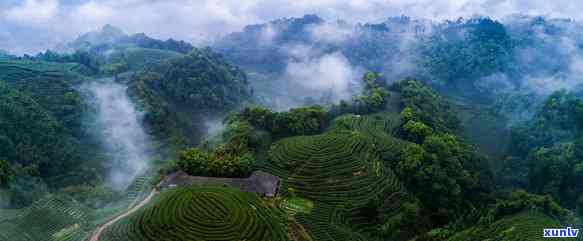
{"x":95,"y":236}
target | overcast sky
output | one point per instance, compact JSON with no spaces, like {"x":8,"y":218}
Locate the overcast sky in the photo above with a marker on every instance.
{"x":29,"y":26}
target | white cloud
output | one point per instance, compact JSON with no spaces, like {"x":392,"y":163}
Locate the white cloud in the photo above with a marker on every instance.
{"x":33,"y":12}
{"x":330,"y":33}
{"x":200,"y":20}
{"x":267,"y":35}
{"x":93,"y":12}
{"x":330,"y":74}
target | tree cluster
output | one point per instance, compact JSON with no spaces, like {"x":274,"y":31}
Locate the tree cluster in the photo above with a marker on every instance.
{"x":84,"y":58}
{"x":296,"y":121}
{"x":520,"y":200}
{"x":219,"y":163}
{"x":233,"y":157}
{"x":6,"y":173}
{"x":445,"y":174}
{"x":181,"y":89}
{"x":546,"y":151}
{"x":29,"y":133}
{"x":422,"y":104}
{"x":464,"y":51}
{"x":375,"y":95}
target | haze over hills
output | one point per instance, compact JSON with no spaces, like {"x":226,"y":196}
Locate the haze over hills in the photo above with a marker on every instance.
{"x":405,"y":129}
{"x":519,"y":53}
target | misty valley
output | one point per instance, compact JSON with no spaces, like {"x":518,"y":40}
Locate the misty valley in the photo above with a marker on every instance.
{"x":297,"y":129}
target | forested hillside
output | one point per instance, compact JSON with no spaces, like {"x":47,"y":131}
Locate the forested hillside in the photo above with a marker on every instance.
{"x":40,"y":110}
{"x":46,"y":137}
{"x":178,"y":94}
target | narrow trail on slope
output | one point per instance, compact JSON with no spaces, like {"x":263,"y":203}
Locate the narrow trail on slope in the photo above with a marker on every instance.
{"x":97,"y":233}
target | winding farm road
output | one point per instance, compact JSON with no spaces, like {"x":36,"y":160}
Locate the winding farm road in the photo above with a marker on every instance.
{"x":95,"y":236}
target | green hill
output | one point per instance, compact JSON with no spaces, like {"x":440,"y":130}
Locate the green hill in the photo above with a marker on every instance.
{"x":177,"y":93}
{"x":200,"y":213}
{"x":41,"y":109}
{"x":45,"y":127}
{"x":343,"y":174}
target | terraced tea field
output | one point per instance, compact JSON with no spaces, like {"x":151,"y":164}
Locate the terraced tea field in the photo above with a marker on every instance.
{"x":138,"y":58}
{"x":200,"y":213}
{"x":333,"y":168}
{"x":341,"y":171}
{"x":379,"y":128}
{"x":60,"y":218}
{"x":51,"y":85}
{"x":53,"y":218}
{"x":26,"y":70}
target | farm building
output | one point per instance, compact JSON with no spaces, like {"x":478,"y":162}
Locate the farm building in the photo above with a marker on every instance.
{"x":262,"y":183}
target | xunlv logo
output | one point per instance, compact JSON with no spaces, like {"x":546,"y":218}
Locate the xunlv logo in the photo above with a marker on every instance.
{"x":560,"y":232}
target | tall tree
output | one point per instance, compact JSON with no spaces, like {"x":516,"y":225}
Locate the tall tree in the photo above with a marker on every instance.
{"x":6,"y":173}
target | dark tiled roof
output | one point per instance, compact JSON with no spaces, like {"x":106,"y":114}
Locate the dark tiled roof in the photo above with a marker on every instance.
{"x":259,"y":182}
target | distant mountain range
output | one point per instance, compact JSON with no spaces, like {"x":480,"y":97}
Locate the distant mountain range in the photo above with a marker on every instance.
{"x":110,"y":35}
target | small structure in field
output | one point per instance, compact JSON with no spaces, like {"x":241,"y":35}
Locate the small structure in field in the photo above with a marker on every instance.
{"x":260,"y":182}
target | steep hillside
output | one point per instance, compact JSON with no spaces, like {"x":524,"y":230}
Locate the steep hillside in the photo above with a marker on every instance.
{"x":47,"y":130}
{"x":179,"y":93}
{"x":42,"y":109}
